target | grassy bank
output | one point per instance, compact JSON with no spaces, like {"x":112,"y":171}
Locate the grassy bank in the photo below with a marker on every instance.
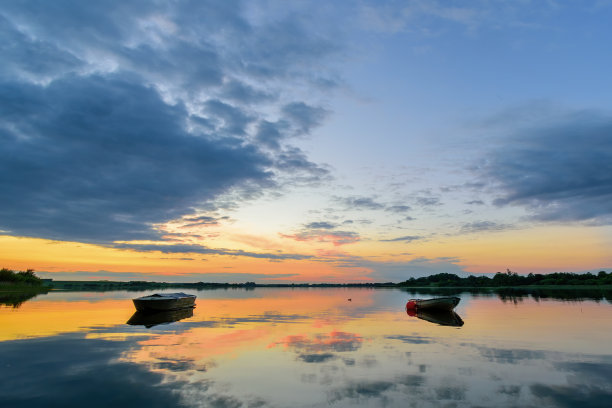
{"x":4,"y":287}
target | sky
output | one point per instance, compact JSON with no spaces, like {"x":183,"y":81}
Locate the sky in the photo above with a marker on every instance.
{"x":305,"y":141}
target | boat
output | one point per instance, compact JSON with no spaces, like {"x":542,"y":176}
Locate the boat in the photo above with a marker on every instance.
{"x":442,"y":303}
{"x":150,"y":319}
{"x":164,"y":302}
{"x":438,"y":316}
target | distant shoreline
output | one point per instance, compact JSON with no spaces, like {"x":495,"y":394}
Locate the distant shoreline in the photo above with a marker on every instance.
{"x":15,"y":281}
{"x":145,"y":285}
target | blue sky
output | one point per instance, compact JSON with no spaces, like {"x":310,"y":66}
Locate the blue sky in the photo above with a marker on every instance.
{"x":372,"y":140}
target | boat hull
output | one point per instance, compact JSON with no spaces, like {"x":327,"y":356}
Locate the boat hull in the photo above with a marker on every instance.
{"x":444,"y":303}
{"x":158,"y":303}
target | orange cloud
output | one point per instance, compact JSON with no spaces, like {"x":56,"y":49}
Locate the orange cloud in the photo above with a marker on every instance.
{"x":336,"y":238}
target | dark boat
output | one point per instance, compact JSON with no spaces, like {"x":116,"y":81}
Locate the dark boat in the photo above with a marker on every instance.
{"x":442,"y":303}
{"x":164,"y":302}
{"x":150,"y":319}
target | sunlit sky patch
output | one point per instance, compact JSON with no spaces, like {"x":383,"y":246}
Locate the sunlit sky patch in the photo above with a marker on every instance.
{"x":304,"y":141}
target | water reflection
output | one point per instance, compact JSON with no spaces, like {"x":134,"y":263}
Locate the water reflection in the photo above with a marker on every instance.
{"x":16,"y":299}
{"x":437,"y":316}
{"x":150,"y":319}
{"x":305,"y":347}
{"x":516,"y":295}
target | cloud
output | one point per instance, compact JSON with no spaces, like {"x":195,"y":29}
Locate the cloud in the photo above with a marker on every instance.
{"x":317,"y":358}
{"x":191,"y":221}
{"x":571,"y":396}
{"x":320,"y":225}
{"x":98,"y":158}
{"x":335,"y":341}
{"x":293,"y":162}
{"x":410,"y":339}
{"x":407,"y":238}
{"x":303,"y":116}
{"x":481,"y":226}
{"x":359,"y":203}
{"x":148,"y":113}
{"x":560,"y":171}
{"x":364,"y":389}
{"x":398,"y":208}
{"x":241,"y":92}
{"x":427,"y":201}
{"x":270,"y":134}
{"x":437,"y":18}
{"x":324,"y":235}
{"x":402,"y":270}
{"x":232,"y":120}
{"x":323,"y":231}
{"x":510,"y":356}
{"x":199,"y":249}
{"x":588,"y":385}
{"x":56,"y":372}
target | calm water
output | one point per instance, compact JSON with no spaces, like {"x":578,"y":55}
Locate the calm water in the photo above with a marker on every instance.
{"x":306,"y":348}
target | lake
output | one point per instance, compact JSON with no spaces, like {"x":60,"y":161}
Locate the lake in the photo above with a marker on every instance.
{"x":306,"y":347}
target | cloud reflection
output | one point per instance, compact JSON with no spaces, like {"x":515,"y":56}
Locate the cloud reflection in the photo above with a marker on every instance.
{"x":67,"y":370}
{"x":319,"y":348}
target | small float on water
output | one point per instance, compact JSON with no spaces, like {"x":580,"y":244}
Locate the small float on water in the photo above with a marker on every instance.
{"x":164,"y":302}
{"x":442,"y":303}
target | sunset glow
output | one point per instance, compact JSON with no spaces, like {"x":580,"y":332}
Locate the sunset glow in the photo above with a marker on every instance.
{"x":288,"y":142}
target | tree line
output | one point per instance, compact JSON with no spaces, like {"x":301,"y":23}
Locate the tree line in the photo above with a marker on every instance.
{"x":510,"y":278}
{"x":443,"y":280}
{"x":28,"y":277}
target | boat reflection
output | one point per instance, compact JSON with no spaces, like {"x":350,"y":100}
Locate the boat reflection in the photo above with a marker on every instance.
{"x":437,"y":316}
{"x":150,"y":319}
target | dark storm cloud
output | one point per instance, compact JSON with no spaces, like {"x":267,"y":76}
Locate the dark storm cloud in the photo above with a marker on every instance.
{"x":118,"y":116}
{"x":270,"y":134}
{"x":559,"y":172}
{"x":99,"y":158}
{"x":26,"y":56}
{"x":234,"y":120}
